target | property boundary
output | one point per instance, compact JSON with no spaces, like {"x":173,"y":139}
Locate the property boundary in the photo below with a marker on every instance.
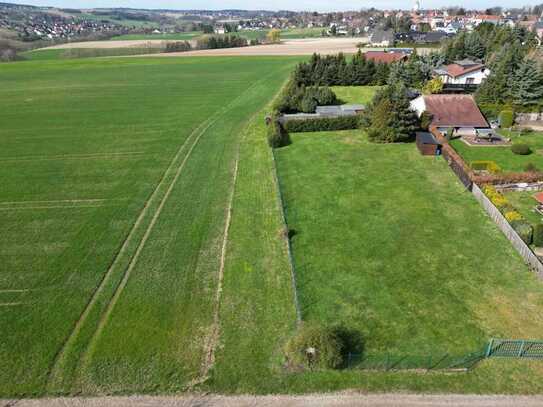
{"x":522,"y":248}
{"x":287,"y":237}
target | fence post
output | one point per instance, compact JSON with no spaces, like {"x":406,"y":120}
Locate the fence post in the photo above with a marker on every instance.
{"x":521,"y":350}
{"x":489,"y":348}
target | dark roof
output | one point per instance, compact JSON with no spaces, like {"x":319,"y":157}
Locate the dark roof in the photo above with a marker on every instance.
{"x":382,"y":35}
{"x":426,"y":138}
{"x":454,"y":111}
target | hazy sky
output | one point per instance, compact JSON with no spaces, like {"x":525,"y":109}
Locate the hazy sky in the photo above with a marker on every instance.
{"x":320,"y":5}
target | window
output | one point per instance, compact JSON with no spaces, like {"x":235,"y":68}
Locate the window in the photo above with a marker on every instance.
{"x":470,"y":81}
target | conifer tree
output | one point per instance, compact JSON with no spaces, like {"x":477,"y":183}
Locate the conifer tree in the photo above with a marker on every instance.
{"x":527,"y":86}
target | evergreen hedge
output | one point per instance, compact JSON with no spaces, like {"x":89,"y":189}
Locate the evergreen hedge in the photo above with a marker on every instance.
{"x":323,"y":124}
{"x":277,"y":135}
{"x":506,"y":119}
{"x":538,"y":235}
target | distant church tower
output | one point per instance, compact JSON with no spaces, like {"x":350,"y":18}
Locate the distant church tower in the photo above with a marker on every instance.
{"x":416,"y":6}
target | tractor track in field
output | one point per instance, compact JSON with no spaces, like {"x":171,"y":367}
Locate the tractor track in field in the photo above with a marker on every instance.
{"x":55,"y":370}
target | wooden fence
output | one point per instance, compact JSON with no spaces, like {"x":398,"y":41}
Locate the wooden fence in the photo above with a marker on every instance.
{"x":522,"y":248}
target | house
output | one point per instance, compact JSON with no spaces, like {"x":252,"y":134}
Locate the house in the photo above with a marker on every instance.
{"x":462,"y":73}
{"x":459,"y":112}
{"x":386,"y":57}
{"x":422,"y":37}
{"x":382,"y":38}
{"x":427,"y":144}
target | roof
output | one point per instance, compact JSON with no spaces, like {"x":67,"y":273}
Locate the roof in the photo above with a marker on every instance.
{"x":381,"y":35}
{"x":460,"y":68}
{"x":426,"y":138}
{"x":454,"y":111}
{"x":539,"y":197}
{"x":385,"y":57}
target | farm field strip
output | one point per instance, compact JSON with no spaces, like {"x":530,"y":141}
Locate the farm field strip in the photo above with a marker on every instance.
{"x":74,"y":247}
{"x":96,"y":156}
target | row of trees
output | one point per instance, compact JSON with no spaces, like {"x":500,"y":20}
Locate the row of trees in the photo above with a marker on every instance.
{"x":337,"y":70}
{"x":221,"y":41}
{"x":300,"y":98}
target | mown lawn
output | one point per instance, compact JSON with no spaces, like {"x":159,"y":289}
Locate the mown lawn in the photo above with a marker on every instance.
{"x":503,"y":156}
{"x":356,"y":94}
{"x":388,"y":242}
{"x":525,"y":203}
{"x":90,"y":157}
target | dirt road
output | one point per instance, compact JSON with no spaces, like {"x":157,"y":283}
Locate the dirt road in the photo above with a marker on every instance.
{"x":333,"y":400}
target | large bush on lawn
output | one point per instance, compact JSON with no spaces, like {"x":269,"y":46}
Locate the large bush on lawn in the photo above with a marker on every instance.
{"x":521,"y":149}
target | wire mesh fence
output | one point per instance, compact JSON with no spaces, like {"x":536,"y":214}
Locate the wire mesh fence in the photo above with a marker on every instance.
{"x":509,"y":348}
{"x":389,"y":362}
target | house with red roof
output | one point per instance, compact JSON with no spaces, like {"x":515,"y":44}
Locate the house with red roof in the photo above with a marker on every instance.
{"x":459,"y":112}
{"x":386,"y":57}
{"x":462,"y":73}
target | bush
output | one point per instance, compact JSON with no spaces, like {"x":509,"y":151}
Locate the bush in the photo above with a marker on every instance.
{"x":506,"y":119}
{"x":315,"y":347}
{"x":521,"y":149}
{"x":489,"y":166}
{"x":497,"y":198}
{"x":538,"y":235}
{"x":178,"y":46}
{"x":308,"y":104}
{"x":524,"y":230}
{"x":512,"y":216}
{"x":426,"y":120}
{"x":323,"y":124}
{"x":277,"y":135}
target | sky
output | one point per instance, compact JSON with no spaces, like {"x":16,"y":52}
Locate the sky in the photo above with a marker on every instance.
{"x":313,"y":5}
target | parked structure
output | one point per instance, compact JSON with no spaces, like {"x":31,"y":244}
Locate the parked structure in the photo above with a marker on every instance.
{"x":427,"y":144}
{"x":325,"y":112}
{"x":463,"y":73}
{"x":459,"y":112}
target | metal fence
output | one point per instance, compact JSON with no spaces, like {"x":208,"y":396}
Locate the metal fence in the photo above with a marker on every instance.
{"x":425,"y":362}
{"x":511,"y":348}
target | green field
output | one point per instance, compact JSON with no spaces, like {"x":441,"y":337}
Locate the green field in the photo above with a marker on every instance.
{"x":503,"y":156}
{"x":112,"y":230}
{"x":74,"y":53}
{"x":388,"y":243}
{"x":356,"y":94}
{"x":166,"y":36}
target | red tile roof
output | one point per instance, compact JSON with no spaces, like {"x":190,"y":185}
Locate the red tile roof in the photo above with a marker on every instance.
{"x":456,"y":70}
{"x":385,"y":57}
{"x":539,"y":197}
{"x":454,"y":111}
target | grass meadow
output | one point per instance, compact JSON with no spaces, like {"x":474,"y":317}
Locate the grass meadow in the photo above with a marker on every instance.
{"x":355,"y":94}
{"x":388,"y":243}
{"x":116,"y":176}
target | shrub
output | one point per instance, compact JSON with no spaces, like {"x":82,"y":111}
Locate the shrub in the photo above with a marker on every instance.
{"x":521,"y":149}
{"x":277,"y":135}
{"x":538,"y":235}
{"x":426,"y":120}
{"x":530,"y":167}
{"x":323,"y":124}
{"x":178,"y":46}
{"x":524,"y":230}
{"x":315,"y":347}
{"x":506,"y":119}
{"x":308,"y":104}
{"x":497,"y":198}
{"x":485,"y":165}
{"x":512,"y":216}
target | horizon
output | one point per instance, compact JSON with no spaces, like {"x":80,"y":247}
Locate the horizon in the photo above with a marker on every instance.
{"x":280,"y":5}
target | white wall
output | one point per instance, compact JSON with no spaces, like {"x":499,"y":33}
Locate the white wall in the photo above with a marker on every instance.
{"x":418,"y":105}
{"x":478,"y":77}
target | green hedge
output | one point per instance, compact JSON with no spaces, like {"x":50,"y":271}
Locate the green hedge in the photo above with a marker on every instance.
{"x":277,"y":135}
{"x":538,"y":235}
{"x":524,"y":230}
{"x":506,"y":119}
{"x":323,"y":124}
{"x":521,"y":149}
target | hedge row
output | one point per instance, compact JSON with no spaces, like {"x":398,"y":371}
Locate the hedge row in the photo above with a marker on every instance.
{"x":322,"y":124}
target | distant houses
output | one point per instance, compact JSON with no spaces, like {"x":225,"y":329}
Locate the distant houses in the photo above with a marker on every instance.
{"x":462,"y":74}
{"x":459,"y":112}
{"x":381,"y":38}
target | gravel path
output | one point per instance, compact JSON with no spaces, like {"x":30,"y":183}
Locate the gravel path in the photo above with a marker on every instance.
{"x":333,"y":400}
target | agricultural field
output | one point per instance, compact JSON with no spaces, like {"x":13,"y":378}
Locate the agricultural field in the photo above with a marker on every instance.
{"x":185,"y":36}
{"x":503,"y":156}
{"x":387,"y":242}
{"x":112,"y":231}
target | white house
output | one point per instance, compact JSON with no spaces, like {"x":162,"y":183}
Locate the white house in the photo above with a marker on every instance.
{"x":459,"y":112}
{"x":462,"y":73}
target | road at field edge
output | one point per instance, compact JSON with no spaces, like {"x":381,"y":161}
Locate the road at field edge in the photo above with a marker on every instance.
{"x":339,"y":400}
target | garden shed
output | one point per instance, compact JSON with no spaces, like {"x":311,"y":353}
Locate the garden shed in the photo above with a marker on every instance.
{"x":427,"y":144}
